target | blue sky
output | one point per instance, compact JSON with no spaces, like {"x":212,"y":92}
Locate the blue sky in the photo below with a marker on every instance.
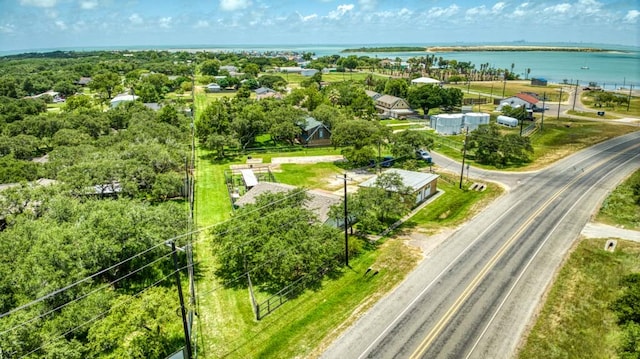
{"x":37,"y":24}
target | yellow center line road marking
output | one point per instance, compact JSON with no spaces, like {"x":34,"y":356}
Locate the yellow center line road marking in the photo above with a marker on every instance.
{"x":428,"y":340}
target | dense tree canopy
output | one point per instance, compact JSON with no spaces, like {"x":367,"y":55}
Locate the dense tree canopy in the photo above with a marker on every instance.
{"x":490,"y":147}
{"x":278,"y":241}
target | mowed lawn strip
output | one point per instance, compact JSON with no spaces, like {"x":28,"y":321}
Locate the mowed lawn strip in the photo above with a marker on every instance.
{"x":576,"y":320}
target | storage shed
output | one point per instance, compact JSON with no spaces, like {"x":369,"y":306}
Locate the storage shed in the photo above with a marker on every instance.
{"x":447,"y":124}
{"x":507,"y":121}
{"x":423,"y":185}
{"x":473,"y":120}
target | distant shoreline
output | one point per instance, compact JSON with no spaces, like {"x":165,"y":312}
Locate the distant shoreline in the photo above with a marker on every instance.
{"x":476,"y":48}
{"x":513,"y":48}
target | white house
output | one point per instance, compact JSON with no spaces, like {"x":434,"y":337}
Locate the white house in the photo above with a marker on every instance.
{"x":522,"y":99}
{"x":423,"y":185}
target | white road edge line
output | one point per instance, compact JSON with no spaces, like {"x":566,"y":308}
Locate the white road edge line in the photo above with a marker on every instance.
{"x":532,"y":258}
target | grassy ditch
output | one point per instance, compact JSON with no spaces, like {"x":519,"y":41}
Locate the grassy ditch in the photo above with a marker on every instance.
{"x":455,"y":207}
{"x":576,"y":320}
{"x":560,"y":138}
{"x":621,"y":206}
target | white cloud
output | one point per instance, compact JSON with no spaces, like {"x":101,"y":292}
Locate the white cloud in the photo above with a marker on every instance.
{"x":498,"y":7}
{"x":51,"y":14}
{"x":308,"y":17}
{"x":632,"y":16}
{"x":136,"y":19}
{"x":340,"y":11}
{"x":521,"y":10}
{"x":233,"y":5}
{"x":589,"y":6}
{"x":39,"y":3}
{"x":201,"y":24}
{"x":443,"y":12}
{"x":61,"y":25}
{"x":7,"y":28}
{"x":165,"y":22}
{"x":88,"y":4}
{"x":476,"y":11}
{"x":558,"y":9}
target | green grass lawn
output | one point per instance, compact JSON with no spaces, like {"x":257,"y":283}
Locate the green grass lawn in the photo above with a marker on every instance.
{"x":576,"y":321}
{"x":310,"y":175}
{"x":620,"y":207}
{"x":455,"y":207}
{"x":560,"y":138}
{"x":595,"y":115}
{"x":618,"y":110}
{"x":511,"y":88}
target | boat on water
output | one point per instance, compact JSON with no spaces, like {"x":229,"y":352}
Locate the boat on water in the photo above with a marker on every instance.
{"x":584,"y":68}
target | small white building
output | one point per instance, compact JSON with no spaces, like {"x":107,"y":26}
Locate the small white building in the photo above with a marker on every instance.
{"x":447,"y":123}
{"x":423,"y":185}
{"x":507,"y":121}
{"x":522,"y":99}
{"x":116,"y":101}
{"x":425,"y":81}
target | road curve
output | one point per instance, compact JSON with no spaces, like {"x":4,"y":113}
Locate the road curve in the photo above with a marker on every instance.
{"x":474,"y":295}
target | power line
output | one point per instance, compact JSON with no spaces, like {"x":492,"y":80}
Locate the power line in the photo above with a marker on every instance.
{"x":101,"y":314}
{"x":83,"y":296}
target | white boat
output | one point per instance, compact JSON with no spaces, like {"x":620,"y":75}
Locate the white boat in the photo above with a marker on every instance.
{"x":584,"y":68}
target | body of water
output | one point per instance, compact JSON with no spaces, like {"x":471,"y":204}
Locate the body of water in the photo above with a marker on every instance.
{"x":618,"y":67}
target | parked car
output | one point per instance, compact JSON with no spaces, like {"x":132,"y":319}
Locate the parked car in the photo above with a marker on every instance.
{"x":387,"y":161}
{"x":424,"y":155}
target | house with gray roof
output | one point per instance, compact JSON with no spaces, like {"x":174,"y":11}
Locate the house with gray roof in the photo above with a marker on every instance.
{"x":393,"y":107}
{"x":319,"y":202}
{"x":423,"y":185}
{"x":314,"y":133}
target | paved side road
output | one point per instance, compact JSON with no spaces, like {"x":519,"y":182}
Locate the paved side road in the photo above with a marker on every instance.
{"x":599,"y":230}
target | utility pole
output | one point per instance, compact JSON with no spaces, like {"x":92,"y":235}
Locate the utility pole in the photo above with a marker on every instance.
{"x":185,"y":326}
{"x":559,"y":101}
{"x":504,"y":85}
{"x":464,"y":154}
{"x":544,"y":98}
{"x":575,"y":96}
{"x":346,"y":235}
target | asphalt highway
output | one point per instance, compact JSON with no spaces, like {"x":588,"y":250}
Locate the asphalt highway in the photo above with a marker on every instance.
{"x":475,"y":294}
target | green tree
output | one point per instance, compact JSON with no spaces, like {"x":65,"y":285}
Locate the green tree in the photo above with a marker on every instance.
{"x":105,"y":83}
{"x":149,"y":323}
{"x":65,"y":88}
{"x":490,"y":147}
{"x":210,"y":67}
{"x":426,"y":97}
{"x":279,"y":241}
{"x":78,"y":102}
{"x":406,"y":143}
{"x":396,"y":87}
